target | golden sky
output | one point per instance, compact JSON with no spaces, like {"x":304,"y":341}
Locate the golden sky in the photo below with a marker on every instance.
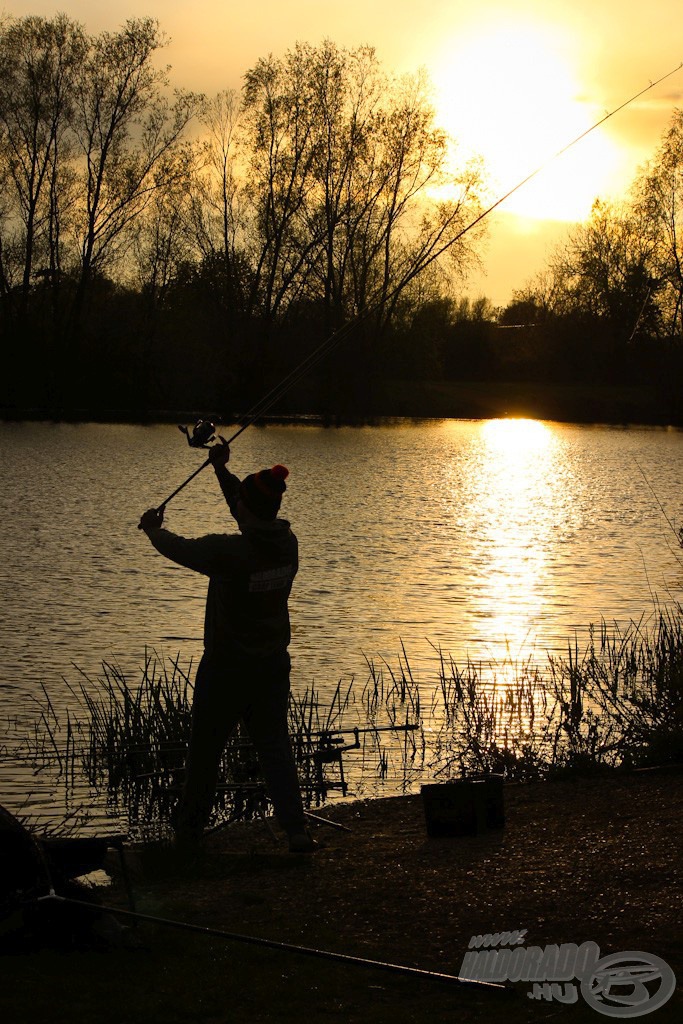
{"x":515,"y":80}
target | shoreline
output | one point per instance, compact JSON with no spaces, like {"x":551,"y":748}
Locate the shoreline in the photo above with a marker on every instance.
{"x":418,"y":401}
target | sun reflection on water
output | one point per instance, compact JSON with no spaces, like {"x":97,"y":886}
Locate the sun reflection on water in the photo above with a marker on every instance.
{"x":520,"y":439}
{"x":514,"y":483}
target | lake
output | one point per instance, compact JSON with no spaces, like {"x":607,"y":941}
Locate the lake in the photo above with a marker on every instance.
{"x":470,"y":535}
{"x":486,"y":539}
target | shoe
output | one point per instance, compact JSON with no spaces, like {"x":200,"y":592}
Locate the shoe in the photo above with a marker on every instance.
{"x":302,"y":842}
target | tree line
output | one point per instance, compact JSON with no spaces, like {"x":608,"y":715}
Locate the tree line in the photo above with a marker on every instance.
{"x":161,"y":249}
{"x":608,"y":307}
{"x":190,"y":246}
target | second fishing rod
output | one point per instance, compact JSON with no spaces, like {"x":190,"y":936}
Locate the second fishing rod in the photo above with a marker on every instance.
{"x":203,"y":433}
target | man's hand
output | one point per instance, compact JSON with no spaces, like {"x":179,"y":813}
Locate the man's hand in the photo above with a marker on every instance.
{"x":219,"y":453}
{"x":152,"y":519}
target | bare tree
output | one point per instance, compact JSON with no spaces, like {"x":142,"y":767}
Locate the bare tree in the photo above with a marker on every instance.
{"x":38,"y":63}
{"x":605,"y":270}
{"x":346,"y":166}
{"x":278,"y":123}
{"x":659,"y":202}
{"x":217,"y":197}
{"x":413,"y":209}
{"x":126,"y":129}
{"x":348,"y":87}
{"x":161,"y":235}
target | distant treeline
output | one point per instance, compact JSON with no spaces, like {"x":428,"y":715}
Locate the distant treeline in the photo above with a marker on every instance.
{"x":165,"y":250}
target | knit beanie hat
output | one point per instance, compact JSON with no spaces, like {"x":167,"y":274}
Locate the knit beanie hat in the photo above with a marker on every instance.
{"x":262,"y":492}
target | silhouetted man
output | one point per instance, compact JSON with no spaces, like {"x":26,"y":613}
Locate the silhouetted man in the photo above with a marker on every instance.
{"x":244,"y":672}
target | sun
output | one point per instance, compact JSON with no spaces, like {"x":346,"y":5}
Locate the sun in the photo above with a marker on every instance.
{"x":510,"y":94}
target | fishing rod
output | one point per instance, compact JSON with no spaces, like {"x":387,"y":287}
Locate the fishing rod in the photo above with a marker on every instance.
{"x":418,"y":973}
{"x":340,"y":335}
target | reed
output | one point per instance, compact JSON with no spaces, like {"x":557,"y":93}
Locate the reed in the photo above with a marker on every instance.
{"x":128,"y":742}
{"x":615,"y":703}
{"x":619,"y":702}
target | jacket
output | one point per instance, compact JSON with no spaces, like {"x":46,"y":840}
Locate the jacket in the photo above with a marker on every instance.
{"x":250,"y":580}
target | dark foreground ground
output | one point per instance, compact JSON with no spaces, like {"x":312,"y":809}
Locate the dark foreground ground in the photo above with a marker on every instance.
{"x":577,"y":860}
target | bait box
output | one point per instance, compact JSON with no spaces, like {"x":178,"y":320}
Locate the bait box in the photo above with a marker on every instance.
{"x":463,"y":807}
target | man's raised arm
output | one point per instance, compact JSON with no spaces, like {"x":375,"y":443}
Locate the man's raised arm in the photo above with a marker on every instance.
{"x":229,"y":483}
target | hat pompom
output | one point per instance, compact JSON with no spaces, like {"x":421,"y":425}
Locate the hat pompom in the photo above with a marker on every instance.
{"x":262,"y":492}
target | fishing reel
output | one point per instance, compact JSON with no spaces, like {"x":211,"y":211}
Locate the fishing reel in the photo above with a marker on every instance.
{"x":203,"y":432}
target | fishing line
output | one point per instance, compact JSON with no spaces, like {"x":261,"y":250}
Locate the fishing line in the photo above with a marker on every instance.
{"x":330,"y":343}
{"x":678,"y":534}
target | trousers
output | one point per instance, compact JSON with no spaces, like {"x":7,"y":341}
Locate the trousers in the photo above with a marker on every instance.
{"x":255,"y":692}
